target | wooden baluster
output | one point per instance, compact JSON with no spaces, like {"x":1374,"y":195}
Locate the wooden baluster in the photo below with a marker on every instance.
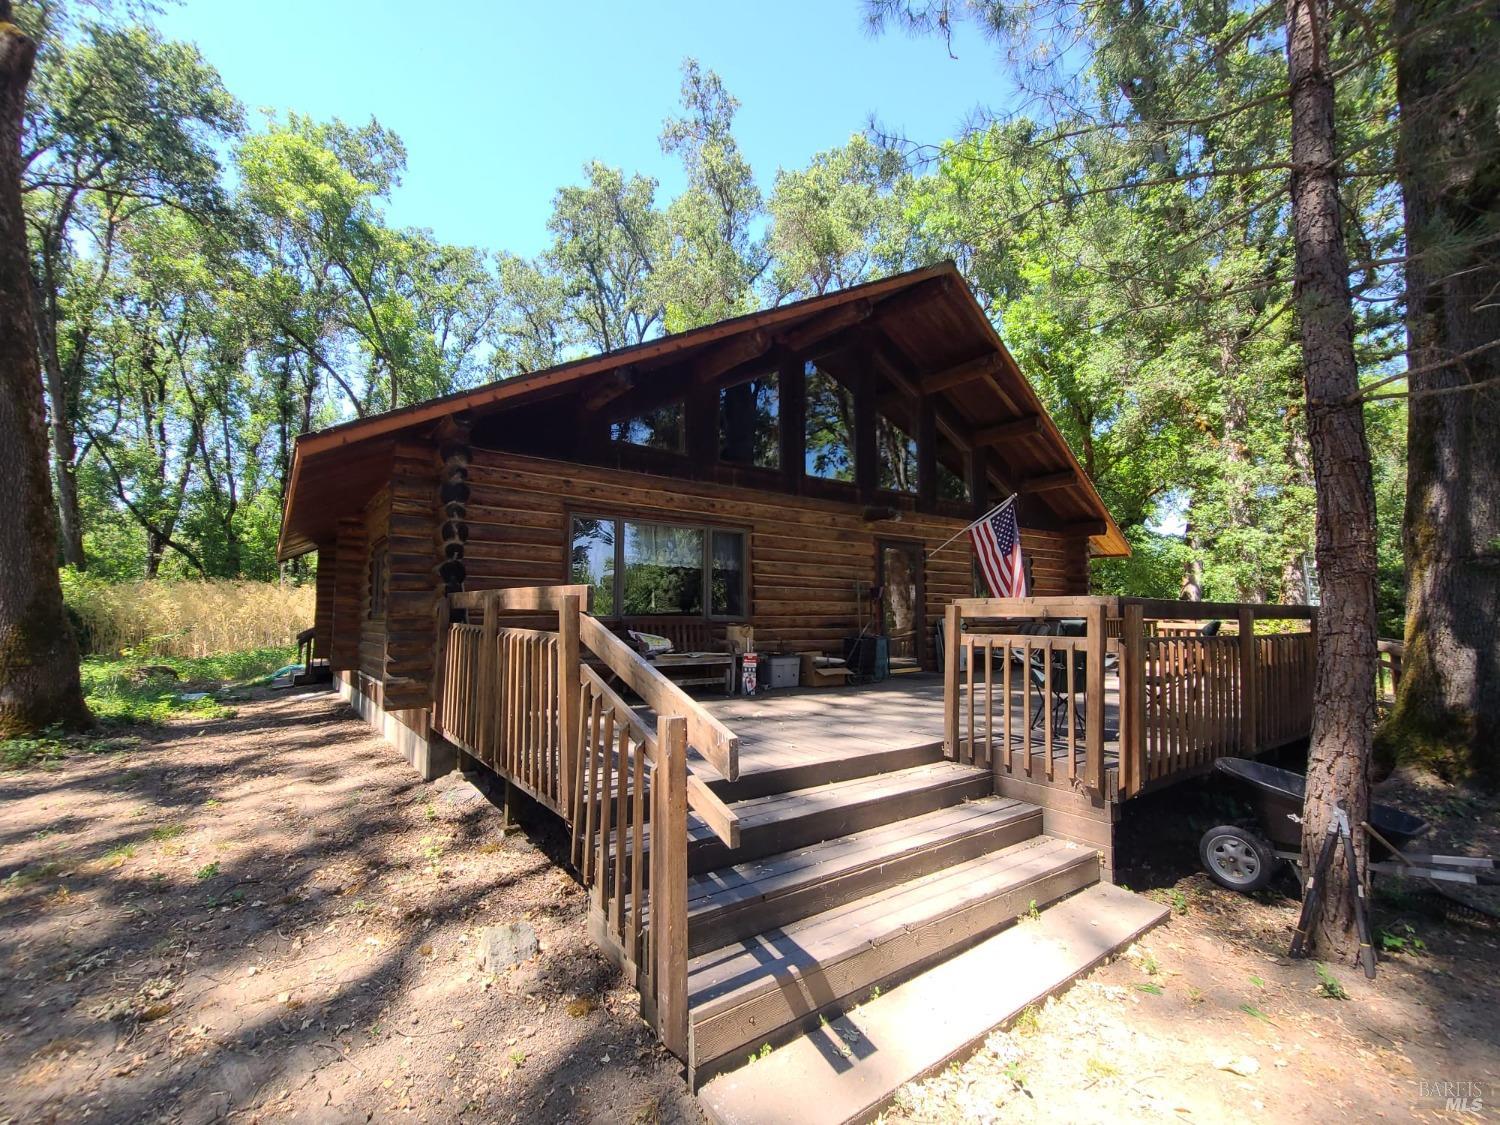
{"x":1248,"y":695}
{"x":1132,"y":700}
{"x":576,"y":810}
{"x":591,"y":794}
{"x":1007,"y":705}
{"x":952,"y":623}
{"x":669,"y":883}
{"x":637,"y":857}
{"x":1051,"y":720}
{"x":989,"y":701}
{"x":606,"y":812}
{"x":622,"y":822}
{"x":969,"y":755}
{"x":489,"y":623}
{"x":1026,"y":690}
{"x":1093,"y":719}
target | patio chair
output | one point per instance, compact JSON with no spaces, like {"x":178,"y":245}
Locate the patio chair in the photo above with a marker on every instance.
{"x":1062,"y":699}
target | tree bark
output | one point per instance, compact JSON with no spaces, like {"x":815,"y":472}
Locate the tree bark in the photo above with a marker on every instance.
{"x":1447,"y":712}
{"x":64,"y":448}
{"x":38,"y":654}
{"x":1344,"y":690}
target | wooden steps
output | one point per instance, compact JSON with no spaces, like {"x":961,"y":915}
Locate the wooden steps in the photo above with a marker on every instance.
{"x":765,"y":988}
{"x":849,"y":1069}
{"x":781,"y":822}
{"x":736,"y":902}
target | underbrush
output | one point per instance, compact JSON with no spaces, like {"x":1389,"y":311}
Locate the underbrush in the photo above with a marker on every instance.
{"x":124,"y":692}
{"x":161,"y":618}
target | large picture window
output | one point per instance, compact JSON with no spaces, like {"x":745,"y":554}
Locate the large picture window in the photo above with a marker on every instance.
{"x":750,"y":422}
{"x":663,"y":428}
{"x":639,"y":568}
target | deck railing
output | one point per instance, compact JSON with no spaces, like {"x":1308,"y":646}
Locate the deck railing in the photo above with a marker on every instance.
{"x":1183,"y":696}
{"x":545,"y":710}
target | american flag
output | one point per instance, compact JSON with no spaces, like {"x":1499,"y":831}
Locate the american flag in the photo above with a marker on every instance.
{"x":997,"y":546}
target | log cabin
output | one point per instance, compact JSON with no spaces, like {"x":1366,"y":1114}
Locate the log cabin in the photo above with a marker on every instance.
{"x":792,"y":480}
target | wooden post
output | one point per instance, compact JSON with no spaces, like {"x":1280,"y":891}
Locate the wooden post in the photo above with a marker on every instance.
{"x":978,"y":468}
{"x":791,"y":391}
{"x":866,"y":447}
{"x":487,"y":694}
{"x":569,"y":696}
{"x":952,"y":623}
{"x":441,"y":615}
{"x":1093,"y":711}
{"x":669,"y":878}
{"x":1247,"y":680}
{"x":927,"y":462}
{"x":1132,"y":699}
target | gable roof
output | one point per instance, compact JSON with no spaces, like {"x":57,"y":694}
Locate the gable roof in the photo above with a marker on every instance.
{"x":934,"y":339}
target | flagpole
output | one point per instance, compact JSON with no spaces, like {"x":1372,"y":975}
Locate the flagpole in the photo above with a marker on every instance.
{"x":1000,"y":507}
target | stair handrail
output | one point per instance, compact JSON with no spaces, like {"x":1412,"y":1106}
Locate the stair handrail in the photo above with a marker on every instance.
{"x":706,"y":734}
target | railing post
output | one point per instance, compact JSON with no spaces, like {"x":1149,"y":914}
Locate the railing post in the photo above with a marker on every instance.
{"x":441,"y":615}
{"x":669,"y":876}
{"x":488,"y":698}
{"x":1247,"y":680}
{"x":569,"y":695}
{"x":952,"y":626}
{"x":1093,"y":714}
{"x":1132,"y":699}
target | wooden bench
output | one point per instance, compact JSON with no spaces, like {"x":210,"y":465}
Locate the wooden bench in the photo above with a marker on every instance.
{"x":699,"y":656}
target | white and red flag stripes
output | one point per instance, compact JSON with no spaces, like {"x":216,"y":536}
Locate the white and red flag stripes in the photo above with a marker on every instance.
{"x":997,"y":546}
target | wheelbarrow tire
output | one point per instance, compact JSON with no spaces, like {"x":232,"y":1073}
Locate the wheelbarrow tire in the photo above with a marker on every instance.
{"x":1237,"y":858}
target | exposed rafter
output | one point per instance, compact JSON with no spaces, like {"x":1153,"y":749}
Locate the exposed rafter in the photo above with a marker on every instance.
{"x":981,"y":367}
{"x":616,"y":384}
{"x":836,"y":319}
{"x":1002,"y":432}
{"x":1045,"y":482}
{"x":724,"y":358}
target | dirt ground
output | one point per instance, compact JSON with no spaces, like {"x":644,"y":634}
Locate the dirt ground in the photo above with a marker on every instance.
{"x":269,"y":918}
{"x":1206,"y":1019}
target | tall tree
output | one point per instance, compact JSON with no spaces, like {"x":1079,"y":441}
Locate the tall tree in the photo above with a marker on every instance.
{"x":607,"y":235}
{"x":1194,"y":96}
{"x":1447,"y":711}
{"x":1338,"y":765}
{"x":39,"y":683}
{"x":714,"y":255}
{"x":119,"y":121}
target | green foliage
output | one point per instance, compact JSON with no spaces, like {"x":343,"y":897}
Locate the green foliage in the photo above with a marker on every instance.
{"x":1145,"y":294}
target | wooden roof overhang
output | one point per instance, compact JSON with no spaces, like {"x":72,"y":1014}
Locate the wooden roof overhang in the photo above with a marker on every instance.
{"x":922,"y":330}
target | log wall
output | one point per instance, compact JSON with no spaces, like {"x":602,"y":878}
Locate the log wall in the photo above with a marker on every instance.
{"x":805,"y":554}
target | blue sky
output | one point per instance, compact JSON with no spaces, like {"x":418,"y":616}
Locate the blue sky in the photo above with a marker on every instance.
{"x":500,"y":104}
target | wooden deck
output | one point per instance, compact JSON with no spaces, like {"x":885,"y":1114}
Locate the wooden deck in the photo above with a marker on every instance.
{"x":817,"y":735}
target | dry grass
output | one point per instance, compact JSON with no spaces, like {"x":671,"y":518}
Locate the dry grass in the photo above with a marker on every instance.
{"x":186,"y":618}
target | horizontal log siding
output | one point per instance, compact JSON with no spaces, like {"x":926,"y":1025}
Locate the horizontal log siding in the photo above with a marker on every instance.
{"x":324,"y":591}
{"x":412,"y":593}
{"x":372,"y":630}
{"x":805,"y":554}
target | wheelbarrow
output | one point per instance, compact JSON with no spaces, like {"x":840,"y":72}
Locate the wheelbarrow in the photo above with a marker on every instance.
{"x":1244,"y":859}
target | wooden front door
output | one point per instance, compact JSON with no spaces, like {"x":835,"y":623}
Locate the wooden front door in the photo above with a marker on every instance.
{"x":898,"y":571}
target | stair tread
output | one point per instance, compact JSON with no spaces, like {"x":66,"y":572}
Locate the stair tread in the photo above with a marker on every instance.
{"x":783,"y":871}
{"x":725,"y":976}
{"x":849,"y":1069}
{"x":759,"y":812}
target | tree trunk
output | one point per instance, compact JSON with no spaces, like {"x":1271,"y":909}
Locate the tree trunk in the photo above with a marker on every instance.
{"x":64,"y":449}
{"x":38,"y":654}
{"x":1447,"y":711}
{"x":1344,"y":689}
